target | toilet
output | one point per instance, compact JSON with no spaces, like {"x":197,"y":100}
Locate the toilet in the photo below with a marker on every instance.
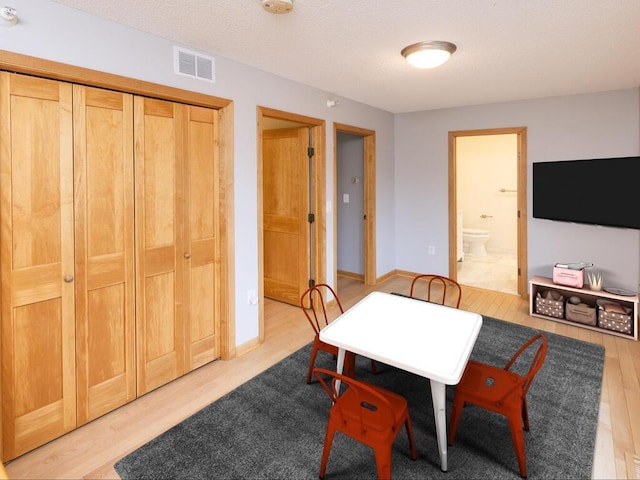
{"x":474,"y":241}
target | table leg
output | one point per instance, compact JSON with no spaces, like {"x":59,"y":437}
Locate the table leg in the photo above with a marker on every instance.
{"x":341,"y":355}
{"x":340,"y":367}
{"x":438,"y":396}
{"x":346,"y":364}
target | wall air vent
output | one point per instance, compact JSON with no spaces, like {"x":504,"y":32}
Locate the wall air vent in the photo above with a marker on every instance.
{"x":193,"y":64}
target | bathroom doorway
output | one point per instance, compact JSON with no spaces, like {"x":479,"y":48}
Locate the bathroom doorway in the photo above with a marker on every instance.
{"x":487,"y":209}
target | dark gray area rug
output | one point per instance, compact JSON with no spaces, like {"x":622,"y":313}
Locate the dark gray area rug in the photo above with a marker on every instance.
{"x":273,"y":426}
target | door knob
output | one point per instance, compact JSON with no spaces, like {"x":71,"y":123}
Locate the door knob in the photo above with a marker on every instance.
{"x":68,"y":278}
{"x":187,"y":255}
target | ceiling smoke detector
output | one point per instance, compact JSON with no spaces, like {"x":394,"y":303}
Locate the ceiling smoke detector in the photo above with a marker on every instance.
{"x":8,"y":16}
{"x":277,"y":6}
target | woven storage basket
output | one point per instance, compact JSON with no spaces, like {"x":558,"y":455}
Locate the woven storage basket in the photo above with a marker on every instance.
{"x":618,"y":322}
{"x":581,"y":314}
{"x":551,"y":307}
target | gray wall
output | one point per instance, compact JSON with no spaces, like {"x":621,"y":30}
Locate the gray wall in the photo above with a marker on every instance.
{"x":572,"y":127}
{"x":350,"y":164}
{"x":54,"y":32}
{"x":411,"y":179}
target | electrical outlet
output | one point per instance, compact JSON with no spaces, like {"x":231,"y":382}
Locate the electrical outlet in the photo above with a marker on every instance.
{"x":432,"y":249}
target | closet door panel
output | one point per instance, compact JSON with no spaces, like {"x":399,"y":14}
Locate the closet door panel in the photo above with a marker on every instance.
{"x":159,"y":239}
{"x":201,"y":256}
{"x":105,"y":284}
{"x":164,"y":356}
{"x":36,"y":257}
{"x":110,"y":377}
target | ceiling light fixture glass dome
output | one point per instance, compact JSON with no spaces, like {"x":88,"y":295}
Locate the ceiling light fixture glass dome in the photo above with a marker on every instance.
{"x":428,"y":54}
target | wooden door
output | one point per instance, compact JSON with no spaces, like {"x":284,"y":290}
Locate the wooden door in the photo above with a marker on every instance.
{"x":160,"y":332}
{"x":201,"y":255}
{"x":36,"y":249}
{"x":105,"y":283}
{"x":286,"y":209}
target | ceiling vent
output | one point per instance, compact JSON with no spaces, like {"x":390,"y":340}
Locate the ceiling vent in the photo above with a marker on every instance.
{"x":193,"y":64}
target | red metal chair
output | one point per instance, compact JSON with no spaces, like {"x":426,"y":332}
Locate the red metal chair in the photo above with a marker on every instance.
{"x":437,"y":285}
{"x":502,"y":391}
{"x":369,"y":414}
{"x":314,"y":304}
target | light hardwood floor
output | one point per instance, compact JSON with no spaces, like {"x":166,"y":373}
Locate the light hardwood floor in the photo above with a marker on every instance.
{"x":91,"y":451}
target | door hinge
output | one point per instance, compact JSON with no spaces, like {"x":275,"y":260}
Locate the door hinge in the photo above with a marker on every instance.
{"x":518,"y":272}
{"x":310,"y":152}
{"x":518,"y":213}
{"x":312,"y":283}
{"x":311,"y":218}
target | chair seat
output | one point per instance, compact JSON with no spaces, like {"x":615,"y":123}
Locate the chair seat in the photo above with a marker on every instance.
{"x":331,"y":349}
{"x":349,"y":358}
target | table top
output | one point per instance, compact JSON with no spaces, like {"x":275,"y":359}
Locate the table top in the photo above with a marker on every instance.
{"x":427,"y":339}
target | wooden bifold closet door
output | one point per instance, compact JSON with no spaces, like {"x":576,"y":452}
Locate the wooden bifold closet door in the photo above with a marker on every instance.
{"x":36,"y":249}
{"x":104,"y":250}
{"x":177,"y":259}
{"x":109,"y":282}
{"x":67,"y":257}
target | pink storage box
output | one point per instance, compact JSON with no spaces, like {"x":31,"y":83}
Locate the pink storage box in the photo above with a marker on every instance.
{"x":568,"y":277}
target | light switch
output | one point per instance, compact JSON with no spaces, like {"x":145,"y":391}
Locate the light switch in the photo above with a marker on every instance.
{"x":345,"y":198}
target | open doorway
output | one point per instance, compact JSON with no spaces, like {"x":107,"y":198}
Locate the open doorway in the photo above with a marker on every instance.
{"x":487,"y":209}
{"x":291,"y":206}
{"x":354,"y":217}
{"x":350,"y":205}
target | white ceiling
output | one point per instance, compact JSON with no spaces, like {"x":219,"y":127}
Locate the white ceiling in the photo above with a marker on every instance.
{"x":507,"y":49}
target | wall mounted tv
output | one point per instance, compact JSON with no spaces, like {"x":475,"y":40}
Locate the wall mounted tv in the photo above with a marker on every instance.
{"x":603,"y":191}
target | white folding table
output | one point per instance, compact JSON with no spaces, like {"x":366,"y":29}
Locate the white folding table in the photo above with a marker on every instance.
{"x":427,"y":339}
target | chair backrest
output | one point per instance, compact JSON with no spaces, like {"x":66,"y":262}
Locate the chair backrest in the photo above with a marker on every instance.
{"x":314,"y":305}
{"x":536,"y":361}
{"x":356,"y":402}
{"x":437,"y":289}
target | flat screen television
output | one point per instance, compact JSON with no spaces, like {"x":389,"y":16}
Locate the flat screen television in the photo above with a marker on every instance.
{"x":602,"y":191}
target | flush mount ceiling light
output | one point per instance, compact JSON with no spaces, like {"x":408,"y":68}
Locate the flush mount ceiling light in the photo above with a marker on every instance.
{"x":277,"y":6}
{"x":428,"y":54}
